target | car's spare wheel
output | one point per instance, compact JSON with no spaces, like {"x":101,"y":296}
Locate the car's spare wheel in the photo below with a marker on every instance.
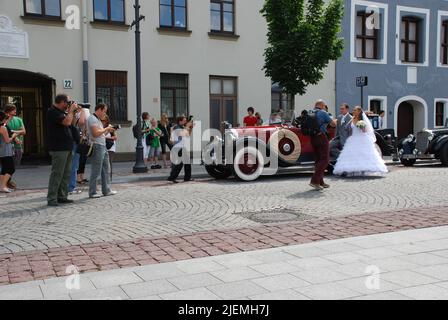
{"x":286,"y":144}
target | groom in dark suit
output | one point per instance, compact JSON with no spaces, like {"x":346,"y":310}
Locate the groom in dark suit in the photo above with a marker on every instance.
{"x":342,"y":131}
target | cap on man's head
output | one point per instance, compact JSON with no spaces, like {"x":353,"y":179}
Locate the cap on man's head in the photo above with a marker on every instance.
{"x":320,"y":102}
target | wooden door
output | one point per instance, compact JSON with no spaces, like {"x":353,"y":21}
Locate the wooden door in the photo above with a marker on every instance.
{"x":405,"y":120}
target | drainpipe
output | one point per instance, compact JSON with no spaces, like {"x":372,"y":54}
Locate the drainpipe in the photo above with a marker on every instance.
{"x":85,"y":51}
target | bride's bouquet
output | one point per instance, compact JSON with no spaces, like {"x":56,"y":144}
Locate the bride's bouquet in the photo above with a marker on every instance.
{"x":361,"y":125}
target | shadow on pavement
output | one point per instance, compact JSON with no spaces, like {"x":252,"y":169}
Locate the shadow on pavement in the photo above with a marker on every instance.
{"x":309,"y":194}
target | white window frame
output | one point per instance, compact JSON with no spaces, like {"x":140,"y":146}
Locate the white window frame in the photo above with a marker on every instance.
{"x":383,"y":45}
{"x":384,"y":105}
{"x":445,"y":110}
{"x":440,"y":14}
{"x":426,"y":12}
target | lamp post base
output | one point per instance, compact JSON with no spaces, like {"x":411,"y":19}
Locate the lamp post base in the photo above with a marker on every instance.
{"x":140,"y":166}
{"x":140,"y":169}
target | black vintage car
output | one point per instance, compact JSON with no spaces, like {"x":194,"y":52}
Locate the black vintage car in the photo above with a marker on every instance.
{"x":427,"y":144}
{"x":385,"y":138}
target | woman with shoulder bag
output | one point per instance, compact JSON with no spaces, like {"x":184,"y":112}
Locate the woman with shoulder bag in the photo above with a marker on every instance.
{"x":78,"y":121}
{"x":165,"y":141}
{"x":83,"y":149}
{"x":6,"y":154}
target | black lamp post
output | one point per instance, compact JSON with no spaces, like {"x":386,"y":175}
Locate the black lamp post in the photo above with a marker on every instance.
{"x":139,"y":166}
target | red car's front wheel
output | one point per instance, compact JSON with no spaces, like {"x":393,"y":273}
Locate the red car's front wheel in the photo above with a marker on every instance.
{"x":248,"y":164}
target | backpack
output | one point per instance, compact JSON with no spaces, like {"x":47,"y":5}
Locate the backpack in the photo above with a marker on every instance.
{"x":309,"y":124}
{"x":149,"y":139}
{"x":136,"y":131}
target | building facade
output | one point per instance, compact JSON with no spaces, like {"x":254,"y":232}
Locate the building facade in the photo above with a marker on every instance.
{"x":201,"y":58}
{"x":402,"y":47}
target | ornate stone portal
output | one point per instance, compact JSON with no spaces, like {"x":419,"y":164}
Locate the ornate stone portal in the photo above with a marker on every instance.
{"x":13,"y":41}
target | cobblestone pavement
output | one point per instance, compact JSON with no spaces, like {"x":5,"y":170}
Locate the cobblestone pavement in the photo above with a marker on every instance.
{"x":32,"y":265}
{"x":157,"y":209}
{"x":30,"y":177}
{"x":402,"y":265}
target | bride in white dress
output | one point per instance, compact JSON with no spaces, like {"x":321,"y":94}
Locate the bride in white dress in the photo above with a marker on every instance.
{"x":360,"y":156}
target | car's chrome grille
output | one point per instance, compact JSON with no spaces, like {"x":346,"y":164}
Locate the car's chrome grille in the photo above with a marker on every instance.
{"x":422,"y":141}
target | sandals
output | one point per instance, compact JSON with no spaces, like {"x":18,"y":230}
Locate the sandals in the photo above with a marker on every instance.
{"x":5,"y":190}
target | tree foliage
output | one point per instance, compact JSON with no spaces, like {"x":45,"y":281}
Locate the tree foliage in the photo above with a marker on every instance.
{"x":303,"y":38}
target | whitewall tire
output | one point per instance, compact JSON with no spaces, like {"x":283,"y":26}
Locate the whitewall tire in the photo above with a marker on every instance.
{"x":248,"y":164}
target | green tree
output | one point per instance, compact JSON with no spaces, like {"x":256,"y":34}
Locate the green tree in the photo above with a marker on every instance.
{"x":303,"y":38}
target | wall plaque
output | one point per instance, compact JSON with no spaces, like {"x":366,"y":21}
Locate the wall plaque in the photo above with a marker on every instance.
{"x":13,"y":41}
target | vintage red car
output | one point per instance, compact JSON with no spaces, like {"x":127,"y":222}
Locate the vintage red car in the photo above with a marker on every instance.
{"x":249,"y":152}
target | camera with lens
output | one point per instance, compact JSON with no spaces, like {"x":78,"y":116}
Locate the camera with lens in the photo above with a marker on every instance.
{"x":81,"y":105}
{"x":117,"y":127}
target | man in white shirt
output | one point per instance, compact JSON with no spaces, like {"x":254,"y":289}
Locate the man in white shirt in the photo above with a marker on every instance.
{"x":181,"y":139}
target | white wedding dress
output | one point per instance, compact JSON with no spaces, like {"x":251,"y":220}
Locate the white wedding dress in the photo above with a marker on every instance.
{"x":359,"y":156}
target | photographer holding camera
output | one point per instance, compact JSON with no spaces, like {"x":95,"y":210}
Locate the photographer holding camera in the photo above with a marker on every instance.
{"x":100,"y":159}
{"x":60,"y":145}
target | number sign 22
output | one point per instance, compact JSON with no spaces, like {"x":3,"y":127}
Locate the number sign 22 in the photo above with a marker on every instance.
{"x":68,"y":84}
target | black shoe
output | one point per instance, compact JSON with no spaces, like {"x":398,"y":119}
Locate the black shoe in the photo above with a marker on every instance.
{"x":12,"y":185}
{"x":65,"y":201}
{"x":172,"y":180}
{"x":52,"y":204}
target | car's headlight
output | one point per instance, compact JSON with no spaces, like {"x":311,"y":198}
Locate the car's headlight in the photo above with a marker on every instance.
{"x":217,"y":139}
{"x":232,"y":134}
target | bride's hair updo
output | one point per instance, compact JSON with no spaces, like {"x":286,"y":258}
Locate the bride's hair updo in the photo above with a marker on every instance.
{"x":360,"y":117}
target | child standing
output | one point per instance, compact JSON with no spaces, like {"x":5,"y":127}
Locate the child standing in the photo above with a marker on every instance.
{"x":154,"y":148}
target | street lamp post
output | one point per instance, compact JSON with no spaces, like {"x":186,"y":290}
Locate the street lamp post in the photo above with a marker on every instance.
{"x":140,"y":166}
